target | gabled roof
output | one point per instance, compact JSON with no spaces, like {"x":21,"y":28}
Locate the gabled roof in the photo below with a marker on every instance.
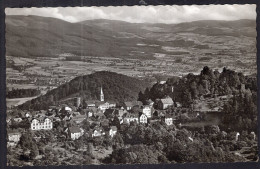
{"x":12,"y":132}
{"x":141,"y":114}
{"x":167,"y":100}
{"x":133,"y":103}
{"x":79,"y":117}
{"x":121,"y":112}
{"x":74,"y":129}
{"x":93,"y":109}
{"x":168,"y":115}
{"x":89,"y":102}
{"x":101,"y":103}
{"x":131,"y":115}
{"x":97,"y":128}
{"x":109,"y":112}
{"x":41,"y":119}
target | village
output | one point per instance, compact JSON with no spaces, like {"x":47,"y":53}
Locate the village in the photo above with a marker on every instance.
{"x":94,"y":120}
{"x":100,"y":112}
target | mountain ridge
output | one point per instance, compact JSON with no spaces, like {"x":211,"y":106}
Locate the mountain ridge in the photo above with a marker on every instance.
{"x":35,"y":36}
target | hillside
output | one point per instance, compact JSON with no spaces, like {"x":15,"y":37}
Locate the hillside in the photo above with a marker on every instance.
{"x":116,"y":87}
{"x":34,"y":36}
{"x":208,"y":83}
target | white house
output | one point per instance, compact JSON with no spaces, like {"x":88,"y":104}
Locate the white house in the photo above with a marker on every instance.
{"x":131,"y":117}
{"x":17,"y":119}
{"x":147,"y":110}
{"x":74,"y":132}
{"x":130,"y":105}
{"x":168,"y":119}
{"x":41,"y":123}
{"x":165,"y":103}
{"x":112,"y":105}
{"x":143,"y":118}
{"x":103,"y":106}
{"x":68,"y":108}
{"x":97,"y":132}
{"x":90,"y":114}
{"x":14,"y":136}
{"x":113,"y":131}
{"x":90,"y":104}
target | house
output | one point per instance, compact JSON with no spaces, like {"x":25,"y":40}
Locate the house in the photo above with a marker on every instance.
{"x":90,"y":114}
{"x":121,"y":112}
{"x":99,"y":115}
{"x":8,"y":120}
{"x":25,"y":114}
{"x":112,"y":104}
{"x":162,"y":82}
{"x":79,"y":118}
{"x":13,"y":136}
{"x":110,"y":113}
{"x":17,"y":119}
{"x":97,"y":132}
{"x":74,"y":132}
{"x":128,"y":117}
{"x":41,"y":123}
{"x":102,"y":105}
{"x":130,"y":105}
{"x":92,"y":111}
{"x":178,"y":104}
{"x":56,"y":118}
{"x":113,"y":131}
{"x":143,"y":118}
{"x":147,"y":110}
{"x":90,"y":104}
{"x":75,"y":113}
{"x":168,"y":119}
{"x":66,"y":117}
{"x":164,"y":103}
{"x":150,"y":103}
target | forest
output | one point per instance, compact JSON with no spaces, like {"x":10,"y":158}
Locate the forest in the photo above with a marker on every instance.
{"x":240,"y":112}
{"x":116,"y":88}
{"x":20,"y":93}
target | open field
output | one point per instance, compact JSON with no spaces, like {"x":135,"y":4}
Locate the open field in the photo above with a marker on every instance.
{"x":17,"y":101}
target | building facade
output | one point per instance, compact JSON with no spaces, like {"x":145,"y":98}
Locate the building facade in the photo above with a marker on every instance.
{"x":165,"y":103}
{"x":143,"y":119}
{"x":41,"y":124}
{"x":147,"y":110}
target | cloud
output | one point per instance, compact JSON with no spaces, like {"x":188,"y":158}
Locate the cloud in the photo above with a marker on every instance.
{"x":137,"y":14}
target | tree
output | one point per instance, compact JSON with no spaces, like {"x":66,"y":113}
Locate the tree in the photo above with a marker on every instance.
{"x":141,"y":97}
{"x":116,"y":122}
{"x":117,"y":141}
{"x":34,"y":152}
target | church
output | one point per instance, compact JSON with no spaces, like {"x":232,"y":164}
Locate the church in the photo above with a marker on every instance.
{"x":102,"y":104}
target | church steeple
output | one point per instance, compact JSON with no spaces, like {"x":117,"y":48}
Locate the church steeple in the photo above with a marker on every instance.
{"x":101,"y":95}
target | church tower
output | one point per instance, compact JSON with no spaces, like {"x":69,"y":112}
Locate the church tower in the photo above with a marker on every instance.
{"x":101,"y":95}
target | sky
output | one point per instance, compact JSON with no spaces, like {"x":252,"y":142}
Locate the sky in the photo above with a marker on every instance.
{"x":140,"y":14}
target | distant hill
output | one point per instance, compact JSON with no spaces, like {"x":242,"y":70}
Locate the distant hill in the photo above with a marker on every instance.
{"x":35,"y":36}
{"x":116,"y":87}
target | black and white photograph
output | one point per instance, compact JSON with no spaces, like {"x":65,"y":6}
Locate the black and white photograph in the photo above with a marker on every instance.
{"x":144,"y":84}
